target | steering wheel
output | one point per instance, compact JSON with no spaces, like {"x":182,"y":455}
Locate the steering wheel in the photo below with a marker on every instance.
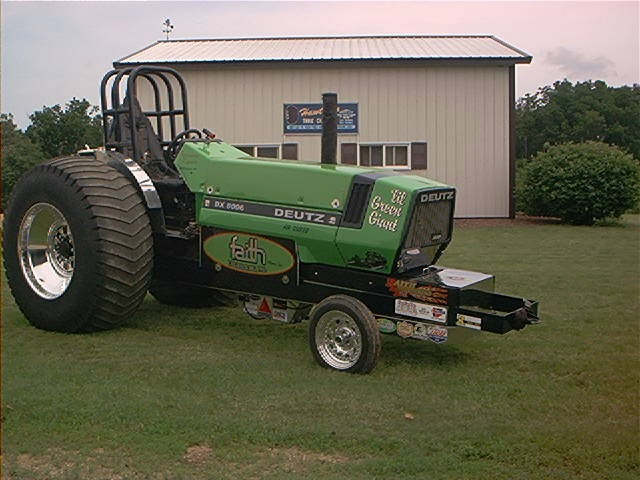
{"x":172,"y":149}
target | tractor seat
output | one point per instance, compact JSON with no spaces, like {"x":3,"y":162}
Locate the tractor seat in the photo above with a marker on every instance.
{"x":150,"y":148}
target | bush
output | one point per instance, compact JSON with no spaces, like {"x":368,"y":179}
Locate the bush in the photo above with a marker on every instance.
{"x":19,"y":154}
{"x":579,"y":183}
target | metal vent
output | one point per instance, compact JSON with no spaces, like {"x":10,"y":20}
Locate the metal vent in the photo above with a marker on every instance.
{"x":430,"y":225}
{"x":357,"y":204}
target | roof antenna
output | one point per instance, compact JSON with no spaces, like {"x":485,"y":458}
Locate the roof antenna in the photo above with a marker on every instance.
{"x":167,"y":27}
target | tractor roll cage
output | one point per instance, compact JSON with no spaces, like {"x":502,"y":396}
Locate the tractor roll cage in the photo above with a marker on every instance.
{"x":122,"y":120}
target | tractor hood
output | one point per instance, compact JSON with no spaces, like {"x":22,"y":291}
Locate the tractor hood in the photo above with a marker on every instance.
{"x":220,"y":169}
{"x":365,"y":218}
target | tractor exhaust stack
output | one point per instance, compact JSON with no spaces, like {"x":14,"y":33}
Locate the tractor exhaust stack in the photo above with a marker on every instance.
{"x":329,"y":128}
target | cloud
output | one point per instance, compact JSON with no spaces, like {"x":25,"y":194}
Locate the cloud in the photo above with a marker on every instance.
{"x":53,"y":51}
{"x":574,"y":64}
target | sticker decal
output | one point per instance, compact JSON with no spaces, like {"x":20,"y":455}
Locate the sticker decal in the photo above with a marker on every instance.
{"x":420,"y":331}
{"x":256,"y":306}
{"x":468,"y":321}
{"x":435,"y":333}
{"x":251,"y":309}
{"x":385,"y":214}
{"x":424,"y":311}
{"x":264,"y":307}
{"x":274,"y":211}
{"x":405,"y":329}
{"x":280,"y":315}
{"x":279,"y":311}
{"x":398,"y":196}
{"x":247,"y":253}
{"x":278,"y":303}
{"x":386,"y":326}
{"x":404,"y":289}
{"x":372,"y":260}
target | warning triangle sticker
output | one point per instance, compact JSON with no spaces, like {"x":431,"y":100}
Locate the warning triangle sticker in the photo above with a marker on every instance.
{"x":264,"y":307}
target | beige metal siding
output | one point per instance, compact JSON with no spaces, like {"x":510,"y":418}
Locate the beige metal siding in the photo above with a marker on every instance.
{"x":461,"y":111}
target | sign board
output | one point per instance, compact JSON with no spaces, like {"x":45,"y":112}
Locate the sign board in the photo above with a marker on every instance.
{"x":307,"y":118}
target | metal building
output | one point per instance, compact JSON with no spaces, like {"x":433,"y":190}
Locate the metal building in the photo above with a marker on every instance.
{"x":440,"y":106}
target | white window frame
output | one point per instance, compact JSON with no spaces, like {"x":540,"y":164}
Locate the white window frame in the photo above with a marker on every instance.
{"x":384,"y":146}
{"x":255,"y":146}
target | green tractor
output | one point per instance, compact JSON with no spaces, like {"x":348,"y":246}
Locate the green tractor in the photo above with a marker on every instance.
{"x":171,"y":210}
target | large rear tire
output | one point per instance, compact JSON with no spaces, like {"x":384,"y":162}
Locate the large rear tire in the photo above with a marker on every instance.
{"x":78,"y":246}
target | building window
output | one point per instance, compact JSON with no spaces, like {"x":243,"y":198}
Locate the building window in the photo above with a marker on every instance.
{"x":264,"y":151}
{"x":267,"y":151}
{"x":371,"y":156}
{"x":396,"y":155}
{"x":290,"y":151}
{"x":384,"y":155}
{"x":249,"y":150}
{"x":400,"y":156}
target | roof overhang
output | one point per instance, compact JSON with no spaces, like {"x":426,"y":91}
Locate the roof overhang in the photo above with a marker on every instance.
{"x":379,"y":50}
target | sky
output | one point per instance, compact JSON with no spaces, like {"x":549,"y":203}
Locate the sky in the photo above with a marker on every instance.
{"x":54,"y":51}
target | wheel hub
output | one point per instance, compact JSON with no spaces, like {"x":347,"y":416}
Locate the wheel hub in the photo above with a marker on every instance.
{"x":338,"y":340}
{"x":62,"y":249}
{"x":46,"y":250}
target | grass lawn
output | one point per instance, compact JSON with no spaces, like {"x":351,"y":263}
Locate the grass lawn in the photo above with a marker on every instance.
{"x":212,"y":394}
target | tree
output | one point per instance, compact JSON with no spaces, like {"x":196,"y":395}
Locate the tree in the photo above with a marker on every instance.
{"x":62,"y":131}
{"x":19,"y":154}
{"x":576,"y":113}
{"x":579,"y":183}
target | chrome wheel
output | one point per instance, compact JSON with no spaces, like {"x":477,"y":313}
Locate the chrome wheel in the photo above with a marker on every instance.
{"x":46,"y":250}
{"x":338,"y":340}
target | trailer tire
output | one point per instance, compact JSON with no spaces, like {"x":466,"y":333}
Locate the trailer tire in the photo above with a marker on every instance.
{"x":344,"y":335}
{"x":189,"y":296}
{"x":78,"y":246}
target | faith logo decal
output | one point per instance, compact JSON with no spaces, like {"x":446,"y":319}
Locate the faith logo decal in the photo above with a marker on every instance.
{"x":250,"y":254}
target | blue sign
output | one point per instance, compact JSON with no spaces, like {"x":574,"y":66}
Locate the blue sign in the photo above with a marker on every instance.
{"x":307,"y":118}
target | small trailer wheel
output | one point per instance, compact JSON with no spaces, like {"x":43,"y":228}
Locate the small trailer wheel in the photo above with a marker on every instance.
{"x":344,"y":335}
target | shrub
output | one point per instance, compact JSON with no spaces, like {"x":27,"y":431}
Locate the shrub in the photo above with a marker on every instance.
{"x":19,"y":154}
{"x":579,"y":183}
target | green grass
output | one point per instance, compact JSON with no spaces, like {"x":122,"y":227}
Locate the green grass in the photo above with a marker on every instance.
{"x":212,"y":394}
